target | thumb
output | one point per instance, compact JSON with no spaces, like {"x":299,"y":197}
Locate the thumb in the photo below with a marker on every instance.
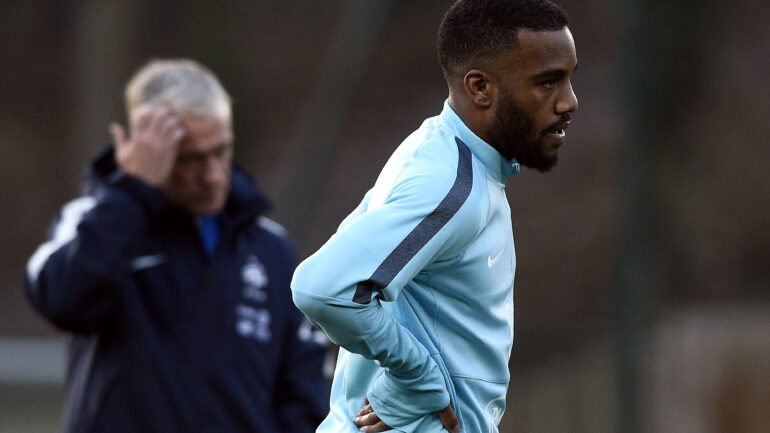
{"x":118,"y":134}
{"x":449,"y":419}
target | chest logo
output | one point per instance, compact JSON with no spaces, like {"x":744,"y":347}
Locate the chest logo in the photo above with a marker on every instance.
{"x":492,"y":260}
{"x":253,"y":323}
{"x":494,"y":412}
{"x":255,"y":280}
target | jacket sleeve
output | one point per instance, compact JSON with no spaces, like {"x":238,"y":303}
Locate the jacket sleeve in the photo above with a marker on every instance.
{"x":302,"y":390}
{"x":74,"y":278}
{"x":373,"y":255}
{"x":302,"y":398}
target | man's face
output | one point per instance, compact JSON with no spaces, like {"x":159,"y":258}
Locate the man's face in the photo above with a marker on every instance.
{"x":200,"y":179}
{"x":535,"y":98}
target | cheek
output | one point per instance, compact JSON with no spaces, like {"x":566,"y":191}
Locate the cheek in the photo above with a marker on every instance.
{"x":182,"y":178}
{"x":541,"y":109}
{"x":542,"y":119}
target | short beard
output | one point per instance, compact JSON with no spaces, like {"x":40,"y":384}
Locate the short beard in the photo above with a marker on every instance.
{"x":513,"y":134}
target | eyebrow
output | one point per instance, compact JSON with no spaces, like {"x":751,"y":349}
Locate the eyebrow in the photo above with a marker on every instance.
{"x":225,"y":145}
{"x":553,"y":73}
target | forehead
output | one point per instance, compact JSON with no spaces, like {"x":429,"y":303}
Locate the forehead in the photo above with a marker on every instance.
{"x":205,"y":134}
{"x":539,"y":51}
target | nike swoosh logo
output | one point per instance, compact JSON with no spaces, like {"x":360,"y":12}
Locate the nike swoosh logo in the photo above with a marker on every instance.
{"x":492,"y":260}
{"x":148,"y":261}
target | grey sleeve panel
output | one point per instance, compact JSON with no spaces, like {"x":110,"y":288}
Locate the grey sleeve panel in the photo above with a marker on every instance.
{"x":424,"y":231}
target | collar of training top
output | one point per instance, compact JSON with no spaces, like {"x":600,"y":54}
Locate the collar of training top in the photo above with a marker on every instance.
{"x":499,"y":167}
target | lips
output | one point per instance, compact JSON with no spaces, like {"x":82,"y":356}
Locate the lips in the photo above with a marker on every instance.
{"x":557,"y":132}
{"x":559,"y":128}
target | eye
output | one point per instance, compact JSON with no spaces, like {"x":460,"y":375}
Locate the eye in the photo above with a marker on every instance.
{"x":223,"y":151}
{"x":549,"y":84}
{"x":190,"y":159}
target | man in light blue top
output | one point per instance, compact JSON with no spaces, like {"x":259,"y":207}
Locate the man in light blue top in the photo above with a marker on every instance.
{"x":416,"y":286}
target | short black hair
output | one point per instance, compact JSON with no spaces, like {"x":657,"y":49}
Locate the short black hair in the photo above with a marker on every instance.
{"x":476,"y":29}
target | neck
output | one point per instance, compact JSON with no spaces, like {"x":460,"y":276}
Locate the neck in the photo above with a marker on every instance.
{"x":470,"y":114}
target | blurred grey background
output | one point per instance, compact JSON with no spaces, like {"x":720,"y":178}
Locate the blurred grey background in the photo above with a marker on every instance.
{"x":642,"y":289}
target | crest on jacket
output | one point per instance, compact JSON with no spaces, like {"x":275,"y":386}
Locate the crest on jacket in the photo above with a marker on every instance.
{"x":494,"y":412}
{"x":255,"y":280}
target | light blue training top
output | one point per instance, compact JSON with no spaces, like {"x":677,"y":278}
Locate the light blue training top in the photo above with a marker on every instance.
{"x":416,"y":286}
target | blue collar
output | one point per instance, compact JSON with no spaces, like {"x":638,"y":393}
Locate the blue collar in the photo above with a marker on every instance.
{"x":499,"y":167}
{"x":208,"y":228}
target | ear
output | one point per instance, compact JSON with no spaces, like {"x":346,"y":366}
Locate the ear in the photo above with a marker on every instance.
{"x":479,"y":87}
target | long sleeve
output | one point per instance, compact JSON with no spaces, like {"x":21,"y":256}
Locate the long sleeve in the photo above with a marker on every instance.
{"x":302,"y":398}
{"x":402,"y":227}
{"x":74,"y":278}
{"x":302,"y":389}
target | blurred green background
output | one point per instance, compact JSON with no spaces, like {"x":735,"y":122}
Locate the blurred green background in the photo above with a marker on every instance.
{"x":642,"y":289}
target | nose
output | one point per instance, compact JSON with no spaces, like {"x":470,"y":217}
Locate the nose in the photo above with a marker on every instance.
{"x":214,"y":172}
{"x":568,"y":102}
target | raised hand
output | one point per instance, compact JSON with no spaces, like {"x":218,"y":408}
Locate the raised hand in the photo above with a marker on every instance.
{"x":149,"y":153}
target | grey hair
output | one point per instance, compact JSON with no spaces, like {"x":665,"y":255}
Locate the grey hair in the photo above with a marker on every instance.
{"x":184,"y":86}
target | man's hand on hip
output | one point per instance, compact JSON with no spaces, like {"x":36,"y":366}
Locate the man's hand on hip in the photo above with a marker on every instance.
{"x":368,"y":421}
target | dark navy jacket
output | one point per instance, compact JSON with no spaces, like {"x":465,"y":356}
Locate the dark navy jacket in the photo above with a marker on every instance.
{"x":165,"y":337}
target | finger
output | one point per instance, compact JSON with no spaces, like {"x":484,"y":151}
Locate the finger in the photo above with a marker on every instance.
{"x":159,"y":120}
{"x":118,"y":135}
{"x":369,"y":419}
{"x":449,"y":419}
{"x":151,"y":123}
{"x":367,"y":407}
{"x":141,"y":117}
{"x":178,"y":133}
{"x":174,"y":129}
{"x":365,"y":410}
{"x":379,"y":427}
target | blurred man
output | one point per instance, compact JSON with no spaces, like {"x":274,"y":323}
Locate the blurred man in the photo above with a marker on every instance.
{"x":416,"y":286}
{"x":174,"y":286}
